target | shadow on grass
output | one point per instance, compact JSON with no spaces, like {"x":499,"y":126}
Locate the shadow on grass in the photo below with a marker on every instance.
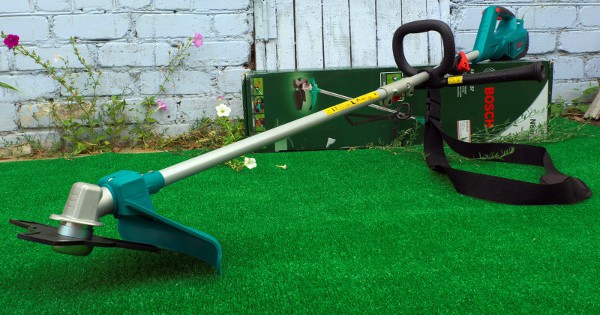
{"x":109,"y":269}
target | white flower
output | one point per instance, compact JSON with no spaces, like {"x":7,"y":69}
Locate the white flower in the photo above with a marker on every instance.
{"x":223,"y":110}
{"x":250,"y":162}
{"x":58,"y":58}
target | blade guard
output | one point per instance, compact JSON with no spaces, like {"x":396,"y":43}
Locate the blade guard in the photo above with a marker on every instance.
{"x":138,"y":222}
{"x":508,"y":41}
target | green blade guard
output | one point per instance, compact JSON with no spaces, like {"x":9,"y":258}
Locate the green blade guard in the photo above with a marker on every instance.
{"x":139,"y":222}
{"x":506,"y":41}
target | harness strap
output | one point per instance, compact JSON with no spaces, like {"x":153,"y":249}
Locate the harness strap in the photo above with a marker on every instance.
{"x":554,"y":188}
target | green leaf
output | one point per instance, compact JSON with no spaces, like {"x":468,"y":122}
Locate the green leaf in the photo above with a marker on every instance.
{"x":6,"y":86}
{"x":80,"y":148}
{"x":80,"y":131}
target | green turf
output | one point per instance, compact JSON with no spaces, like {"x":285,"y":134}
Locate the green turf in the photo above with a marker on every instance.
{"x":337,"y":232}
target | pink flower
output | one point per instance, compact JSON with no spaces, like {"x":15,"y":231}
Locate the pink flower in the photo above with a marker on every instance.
{"x":220,"y":98}
{"x":161,"y":105}
{"x":11,"y":41}
{"x":198,"y":40}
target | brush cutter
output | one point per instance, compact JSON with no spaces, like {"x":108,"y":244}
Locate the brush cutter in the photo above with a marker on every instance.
{"x":126,"y":194}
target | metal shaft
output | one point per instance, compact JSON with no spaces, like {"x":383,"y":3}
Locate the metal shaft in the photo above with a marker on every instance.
{"x":198,"y":164}
{"x":472,"y":55}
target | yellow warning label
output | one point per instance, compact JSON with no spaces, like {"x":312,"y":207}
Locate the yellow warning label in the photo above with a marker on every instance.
{"x":351,"y":103}
{"x":455,"y":80}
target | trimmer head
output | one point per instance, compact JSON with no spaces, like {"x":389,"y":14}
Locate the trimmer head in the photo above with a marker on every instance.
{"x":45,"y":234}
{"x":125,"y":194}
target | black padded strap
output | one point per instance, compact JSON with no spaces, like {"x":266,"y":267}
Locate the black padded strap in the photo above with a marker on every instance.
{"x":554,"y":187}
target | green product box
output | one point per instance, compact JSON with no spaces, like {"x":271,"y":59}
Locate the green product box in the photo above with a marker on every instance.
{"x":272,"y":99}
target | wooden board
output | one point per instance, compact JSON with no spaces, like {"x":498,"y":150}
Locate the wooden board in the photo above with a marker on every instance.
{"x":336,"y":34}
{"x":363,"y":33}
{"x":317,"y":34}
{"x":416,"y":46}
{"x":389,"y":18}
{"x":286,"y":36}
{"x":309,"y":34}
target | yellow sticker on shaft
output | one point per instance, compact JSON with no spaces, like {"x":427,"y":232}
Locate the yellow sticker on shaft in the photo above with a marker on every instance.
{"x":455,"y":80}
{"x":351,"y":103}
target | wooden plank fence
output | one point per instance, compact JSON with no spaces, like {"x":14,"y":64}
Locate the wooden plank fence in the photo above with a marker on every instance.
{"x":326,"y":34}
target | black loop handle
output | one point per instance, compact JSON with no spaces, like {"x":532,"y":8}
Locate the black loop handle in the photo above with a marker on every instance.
{"x":421,"y":27}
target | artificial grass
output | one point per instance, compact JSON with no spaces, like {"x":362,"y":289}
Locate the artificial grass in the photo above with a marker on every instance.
{"x":336,"y":232}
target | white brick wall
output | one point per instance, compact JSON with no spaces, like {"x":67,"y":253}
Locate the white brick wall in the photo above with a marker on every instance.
{"x":8,"y":117}
{"x":111,"y":83}
{"x":91,"y":5}
{"x":56,"y":55}
{"x":16,"y":6}
{"x":170,"y":25}
{"x":4,"y":65}
{"x":120,"y":54}
{"x":229,"y":80}
{"x":229,"y":53}
{"x":566,"y":32}
{"x":129,"y":40}
{"x":548,"y":17}
{"x":173,"y":4}
{"x":566,"y":68}
{"x":592,"y":67}
{"x":183,"y":82}
{"x":588,"y":16}
{"x":31,"y":29}
{"x":134,"y":4}
{"x":92,"y":26}
{"x":231,"y":24}
{"x":53,"y":5}
{"x":31,"y":86}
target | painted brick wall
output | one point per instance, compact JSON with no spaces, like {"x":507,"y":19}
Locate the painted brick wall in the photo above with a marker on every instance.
{"x":130,"y":41}
{"x":566,"y":32}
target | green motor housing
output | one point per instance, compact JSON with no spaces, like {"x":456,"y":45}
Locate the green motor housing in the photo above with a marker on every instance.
{"x":501,"y":36}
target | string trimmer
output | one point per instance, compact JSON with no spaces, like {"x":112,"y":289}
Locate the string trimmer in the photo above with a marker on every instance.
{"x":126,"y":194}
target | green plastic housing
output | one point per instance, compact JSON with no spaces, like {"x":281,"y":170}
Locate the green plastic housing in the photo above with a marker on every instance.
{"x":506,"y":41}
{"x":138,"y":221}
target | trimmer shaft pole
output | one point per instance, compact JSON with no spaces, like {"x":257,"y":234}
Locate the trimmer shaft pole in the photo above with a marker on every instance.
{"x":198,"y":164}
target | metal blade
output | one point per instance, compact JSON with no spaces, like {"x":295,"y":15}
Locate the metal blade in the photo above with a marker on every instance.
{"x":48,"y":235}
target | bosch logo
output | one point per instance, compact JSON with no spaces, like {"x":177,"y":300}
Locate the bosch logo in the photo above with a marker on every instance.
{"x":488,"y":106}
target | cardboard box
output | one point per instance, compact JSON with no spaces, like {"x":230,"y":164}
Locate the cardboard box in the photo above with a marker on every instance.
{"x":470,"y":113}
